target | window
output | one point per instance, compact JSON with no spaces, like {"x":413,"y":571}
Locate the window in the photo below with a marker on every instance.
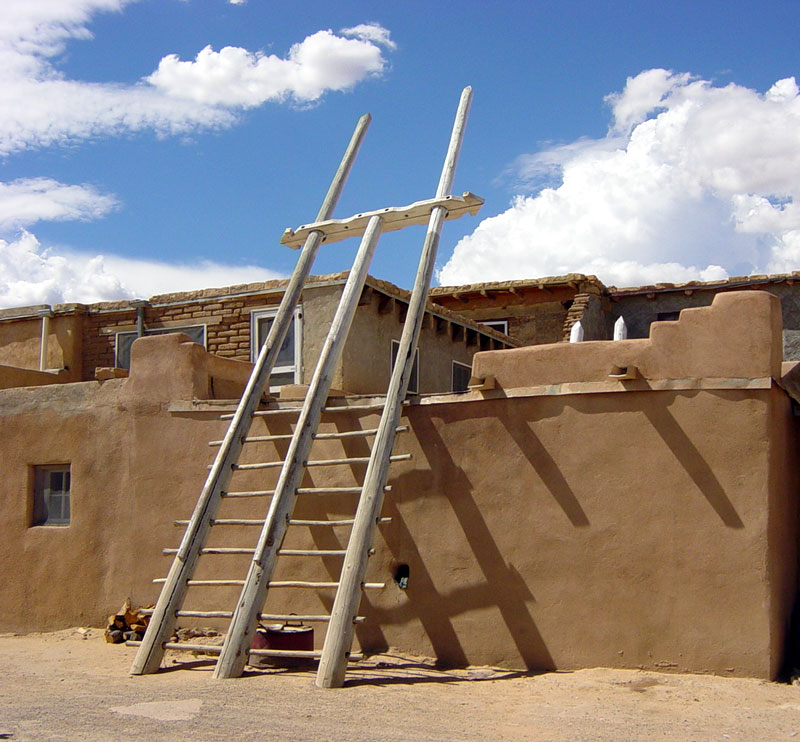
{"x":413,"y":382}
{"x":51,"y":495}
{"x":501,"y":325}
{"x":122,"y":357}
{"x":460,"y":377}
{"x":289,"y":364}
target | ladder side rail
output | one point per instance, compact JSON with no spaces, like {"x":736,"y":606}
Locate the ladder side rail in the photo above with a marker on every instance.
{"x":233,"y":656}
{"x":151,"y":651}
{"x":339,"y":637}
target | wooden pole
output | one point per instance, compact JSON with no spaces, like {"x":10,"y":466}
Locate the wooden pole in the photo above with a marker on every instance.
{"x":240,"y":634}
{"x":46,"y":315}
{"x":339,"y":638}
{"x":150,"y":653}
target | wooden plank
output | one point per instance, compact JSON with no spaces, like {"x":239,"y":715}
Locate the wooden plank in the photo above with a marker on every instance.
{"x":393,"y":218}
{"x":148,"y":658}
{"x":251,"y":600}
{"x":339,"y":637}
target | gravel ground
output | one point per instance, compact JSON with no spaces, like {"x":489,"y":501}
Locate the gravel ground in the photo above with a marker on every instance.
{"x":70,"y":685}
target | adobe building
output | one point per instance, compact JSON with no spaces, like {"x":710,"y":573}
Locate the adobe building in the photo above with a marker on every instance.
{"x":84,"y":342}
{"x":643,"y":305}
{"x":543,"y":310}
{"x":532,"y":311}
{"x":622,"y":504}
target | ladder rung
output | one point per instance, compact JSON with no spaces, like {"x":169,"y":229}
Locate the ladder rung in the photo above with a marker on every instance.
{"x":331,"y":522}
{"x":320,"y":585}
{"x":253,"y":493}
{"x":310,"y":654}
{"x":355,"y":460}
{"x":299,"y":653}
{"x":303,"y":491}
{"x":215,"y":550}
{"x":318,"y":462}
{"x":226,"y":522}
{"x":335,"y":490}
{"x":202,"y":614}
{"x":263,"y":413}
{"x":312,"y":552}
{"x":205,"y":583}
{"x":341,"y":408}
{"x":294,"y":617}
{"x":316,"y":436}
{"x":261,"y":616}
{"x":260,"y":465}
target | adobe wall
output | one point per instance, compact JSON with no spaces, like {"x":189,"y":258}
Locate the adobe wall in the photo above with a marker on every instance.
{"x":641,"y":309}
{"x":562,"y":520}
{"x":20,"y":343}
{"x":367,"y":356}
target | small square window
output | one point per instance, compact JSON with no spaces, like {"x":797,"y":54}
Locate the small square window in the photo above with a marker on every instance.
{"x":51,"y":486}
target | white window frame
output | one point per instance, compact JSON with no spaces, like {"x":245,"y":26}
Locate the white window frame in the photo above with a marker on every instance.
{"x":501,"y":325}
{"x":297,"y":328}
{"x":452,"y":375}
{"x":42,"y":494}
{"x":157,"y":331}
{"x":393,"y":354}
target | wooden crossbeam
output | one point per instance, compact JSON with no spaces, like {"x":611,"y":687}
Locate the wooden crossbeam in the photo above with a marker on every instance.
{"x":393,"y":218}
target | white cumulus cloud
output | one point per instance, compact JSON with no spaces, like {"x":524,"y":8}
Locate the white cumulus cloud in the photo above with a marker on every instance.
{"x":236,"y":77}
{"x":693,"y":181}
{"x":371,"y":32}
{"x":39,"y":106}
{"x":28,"y":200}
{"x":32,"y":275}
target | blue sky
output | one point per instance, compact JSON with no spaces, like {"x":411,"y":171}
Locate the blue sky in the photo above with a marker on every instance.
{"x":634,"y":140}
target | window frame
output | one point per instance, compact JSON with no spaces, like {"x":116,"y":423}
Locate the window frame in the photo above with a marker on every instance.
{"x":491,"y":323}
{"x":155,"y":331}
{"x":297,"y":327}
{"x":42,"y":494}
{"x":453,"y":376}
{"x":414,"y":368}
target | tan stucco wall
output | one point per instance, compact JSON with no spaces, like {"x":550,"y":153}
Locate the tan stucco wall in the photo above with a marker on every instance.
{"x":20,"y":343}
{"x":366,"y":359}
{"x":622,"y":528}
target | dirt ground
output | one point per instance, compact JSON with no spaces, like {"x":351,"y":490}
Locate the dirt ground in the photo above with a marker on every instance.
{"x":71,"y":685}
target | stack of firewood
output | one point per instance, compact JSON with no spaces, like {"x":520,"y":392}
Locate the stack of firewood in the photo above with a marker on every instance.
{"x":128,"y":624}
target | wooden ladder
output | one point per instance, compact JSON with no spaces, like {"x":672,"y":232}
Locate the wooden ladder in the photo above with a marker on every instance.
{"x":237,"y":647}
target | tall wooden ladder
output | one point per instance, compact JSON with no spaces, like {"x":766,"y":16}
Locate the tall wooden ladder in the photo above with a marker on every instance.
{"x":237,"y":647}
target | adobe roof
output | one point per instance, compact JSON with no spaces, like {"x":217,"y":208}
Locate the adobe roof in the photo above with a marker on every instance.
{"x":570,"y":279}
{"x":729,"y":283}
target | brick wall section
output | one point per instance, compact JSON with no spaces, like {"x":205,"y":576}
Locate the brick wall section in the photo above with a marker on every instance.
{"x":227,"y":323}
{"x":574,"y":314}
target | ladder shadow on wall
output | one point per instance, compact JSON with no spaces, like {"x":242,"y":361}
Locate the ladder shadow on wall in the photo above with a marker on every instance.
{"x":502,"y":587}
{"x":369,"y":633}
